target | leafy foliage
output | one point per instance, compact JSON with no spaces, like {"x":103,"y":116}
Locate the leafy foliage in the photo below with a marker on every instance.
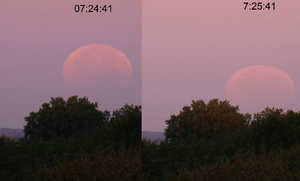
{"x":124,"y":126}
{"x":204,"y":142}
{"x":61,"y":118}
{"x":199,"y":146}
{"x":273,"y":129}
{"x":283,"y":165}
{"x":104,"y":164}
{"x":161,"y":160}
{"x":202,"y":121}
{"x":58,"y":139}
{"x":17,"y":157}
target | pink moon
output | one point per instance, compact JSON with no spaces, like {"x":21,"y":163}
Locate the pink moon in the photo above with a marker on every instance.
{"x":98,"y":67}
{"x":256,"y":87}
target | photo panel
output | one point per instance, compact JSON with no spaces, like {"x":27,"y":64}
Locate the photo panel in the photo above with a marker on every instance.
{"x":66,"y":48}
{"x":246,"y":52}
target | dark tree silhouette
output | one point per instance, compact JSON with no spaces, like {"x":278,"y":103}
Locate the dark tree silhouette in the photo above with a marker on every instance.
{"x":124,"y":127}
{"x":202,"y":121}
{"x":68,"y":119}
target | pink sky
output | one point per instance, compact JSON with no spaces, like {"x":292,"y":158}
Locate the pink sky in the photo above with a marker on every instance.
{"x":36,"y":38}
{"x":191,"y":48}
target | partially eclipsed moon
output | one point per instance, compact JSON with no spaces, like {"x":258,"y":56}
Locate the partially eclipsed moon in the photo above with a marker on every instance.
{"x":256,"y":87}
{"x":97,"y":67}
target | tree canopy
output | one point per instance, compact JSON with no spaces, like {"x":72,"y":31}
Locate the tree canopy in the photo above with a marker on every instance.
{"x":123,"y":127}
{"x":273,"y":128}
{"x":60,"y":118}
{"x":202,"y":121}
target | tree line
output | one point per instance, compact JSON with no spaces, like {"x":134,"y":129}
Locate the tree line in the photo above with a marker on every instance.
{"x":73,"y":140}
{"x":214,"y":141}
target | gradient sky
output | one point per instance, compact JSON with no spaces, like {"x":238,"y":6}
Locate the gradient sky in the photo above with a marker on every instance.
{"x":36,"y":37}
{"x":191,"y":48}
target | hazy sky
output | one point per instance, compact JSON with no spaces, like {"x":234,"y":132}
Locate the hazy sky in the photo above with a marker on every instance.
{"x":36,"y":38}
{"x":191,"y":48}
{"x":180,"y":50}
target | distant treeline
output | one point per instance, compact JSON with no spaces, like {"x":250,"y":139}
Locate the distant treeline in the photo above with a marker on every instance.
{"x":153,"y":136}
{"x":12,"y":133}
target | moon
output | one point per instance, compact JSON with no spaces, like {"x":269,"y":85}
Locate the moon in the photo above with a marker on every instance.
{"x":97,"y":67}
{"x":256,"y":87}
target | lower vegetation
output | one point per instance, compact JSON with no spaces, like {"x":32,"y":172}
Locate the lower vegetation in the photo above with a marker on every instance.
{"x":210,"y":141}
{"x":72,"y":140}
{"x":200,"y":146}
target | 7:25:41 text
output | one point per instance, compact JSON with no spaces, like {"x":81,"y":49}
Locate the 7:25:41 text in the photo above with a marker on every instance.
{"x":259,"y":6}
